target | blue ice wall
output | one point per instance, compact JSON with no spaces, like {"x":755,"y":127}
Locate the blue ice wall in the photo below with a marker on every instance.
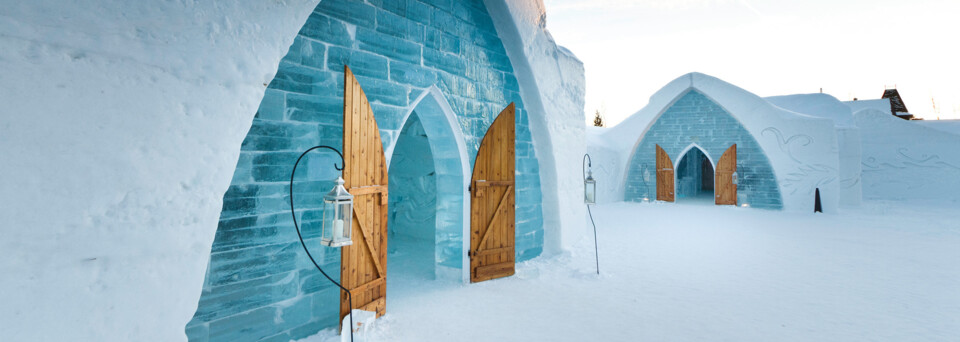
{"x":259,"y":285}
{"x":695,"y":119}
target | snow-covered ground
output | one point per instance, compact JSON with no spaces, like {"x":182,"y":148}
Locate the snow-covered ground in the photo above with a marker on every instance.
{"x":697,"y":272}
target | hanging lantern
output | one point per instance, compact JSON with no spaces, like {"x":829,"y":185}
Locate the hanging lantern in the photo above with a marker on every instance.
{"x":589,"y":189}
{"x":337,"y":217}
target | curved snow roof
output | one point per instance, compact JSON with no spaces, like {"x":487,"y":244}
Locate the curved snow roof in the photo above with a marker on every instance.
{"x":819,"y":105}
{"x":751,"y":110}
{"x":882,"y":105}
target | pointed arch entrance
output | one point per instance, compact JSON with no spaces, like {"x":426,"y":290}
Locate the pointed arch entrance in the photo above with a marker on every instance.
{"x":694,"y":175}
{"x":429,"y":222}
{"x":693,"y":120}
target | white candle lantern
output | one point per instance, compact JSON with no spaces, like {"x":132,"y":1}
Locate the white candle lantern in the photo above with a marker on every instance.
{"x":589,"y":189}
{"x":337,"y":217}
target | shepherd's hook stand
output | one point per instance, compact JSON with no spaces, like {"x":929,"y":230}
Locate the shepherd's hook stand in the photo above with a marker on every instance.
{"x":596,"y":250}
{"x":295,"y":225}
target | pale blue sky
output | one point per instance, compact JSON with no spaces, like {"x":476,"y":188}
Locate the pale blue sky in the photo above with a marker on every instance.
{"x":850,"y":48}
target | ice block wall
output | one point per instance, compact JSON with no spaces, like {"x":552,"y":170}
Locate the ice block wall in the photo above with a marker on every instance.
{"x":259,"y":284}
{"x":695,"y":119}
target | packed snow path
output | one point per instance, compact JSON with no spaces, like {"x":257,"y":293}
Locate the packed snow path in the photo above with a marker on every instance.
{"x":697,"y":272}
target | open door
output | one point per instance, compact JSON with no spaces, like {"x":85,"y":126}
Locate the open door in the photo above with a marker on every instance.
{"x":363,"y":265}
{"x":664,"y":176}
{"x":492,"y":211}
{"x":725,"y":187}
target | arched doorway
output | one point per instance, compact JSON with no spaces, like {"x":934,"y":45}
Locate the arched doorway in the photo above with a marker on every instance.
{"x":412,"y":217}
{"x":428,"y":167}
{"x":695,"y":176}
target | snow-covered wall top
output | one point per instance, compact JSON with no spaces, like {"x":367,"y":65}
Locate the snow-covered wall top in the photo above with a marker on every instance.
{"x":949,"y":126}
{"x":882,"y":105}
{"x":906,"y":161}
{"x":802,"y":149}
{"x":819,"y":105}
{"x":120,"y":128}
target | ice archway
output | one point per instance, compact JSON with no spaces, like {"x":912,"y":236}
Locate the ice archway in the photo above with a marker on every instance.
{"x":451,"y":165}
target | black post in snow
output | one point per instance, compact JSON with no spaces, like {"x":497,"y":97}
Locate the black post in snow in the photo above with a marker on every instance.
{"x":817,"y":207}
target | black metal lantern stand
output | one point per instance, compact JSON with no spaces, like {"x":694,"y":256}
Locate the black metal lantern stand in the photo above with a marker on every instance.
{"x":337,"y":221}
{"x":590,"y":198}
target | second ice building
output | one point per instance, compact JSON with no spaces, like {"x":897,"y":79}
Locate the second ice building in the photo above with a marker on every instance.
{"x":702,"y":138}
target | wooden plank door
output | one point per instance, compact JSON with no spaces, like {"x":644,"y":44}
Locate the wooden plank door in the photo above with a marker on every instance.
{"x":664,"y":176}
{"x":363,"y":265}
{"x":492,"y":211}
{"x":725,"y":190}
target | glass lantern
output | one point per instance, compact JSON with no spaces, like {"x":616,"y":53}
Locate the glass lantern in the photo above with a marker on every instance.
{"x":337,"y":217}
{"x":589,"y":189}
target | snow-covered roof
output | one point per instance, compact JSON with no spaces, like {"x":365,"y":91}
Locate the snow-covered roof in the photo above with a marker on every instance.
{"x":819,"y":105}
{"x":748,"y":108}
{"x":882,"y":105}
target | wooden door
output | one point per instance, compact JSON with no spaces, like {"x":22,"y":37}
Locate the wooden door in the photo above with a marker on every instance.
{"x":725,"y":190}
{"x":363,"y":265}
{"x":492,"y":212}
{"x":664,"y":176}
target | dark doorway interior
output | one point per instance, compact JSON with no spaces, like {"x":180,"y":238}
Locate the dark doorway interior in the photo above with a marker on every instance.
{"x":695,"y":176}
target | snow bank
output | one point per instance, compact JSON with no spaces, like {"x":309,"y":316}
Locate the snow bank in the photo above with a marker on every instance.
{"x":121,"y":126}
{"x":801,"y":149}
{"x":552,"y":84}
{"x":906,"y":161}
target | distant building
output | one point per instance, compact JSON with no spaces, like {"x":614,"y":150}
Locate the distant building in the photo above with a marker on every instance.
{"x":890,"y":102}
{"x":896,"y":104}
{"x":702,"y":139}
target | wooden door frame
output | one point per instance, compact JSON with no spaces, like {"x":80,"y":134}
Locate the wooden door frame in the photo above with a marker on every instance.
{"x":509,"y":196}
{"x":660,"y":169}
{"x":676,"y":167}
{"x":433,"y":97}
{"x":363,"y":169}
{"x":736,"y":163}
